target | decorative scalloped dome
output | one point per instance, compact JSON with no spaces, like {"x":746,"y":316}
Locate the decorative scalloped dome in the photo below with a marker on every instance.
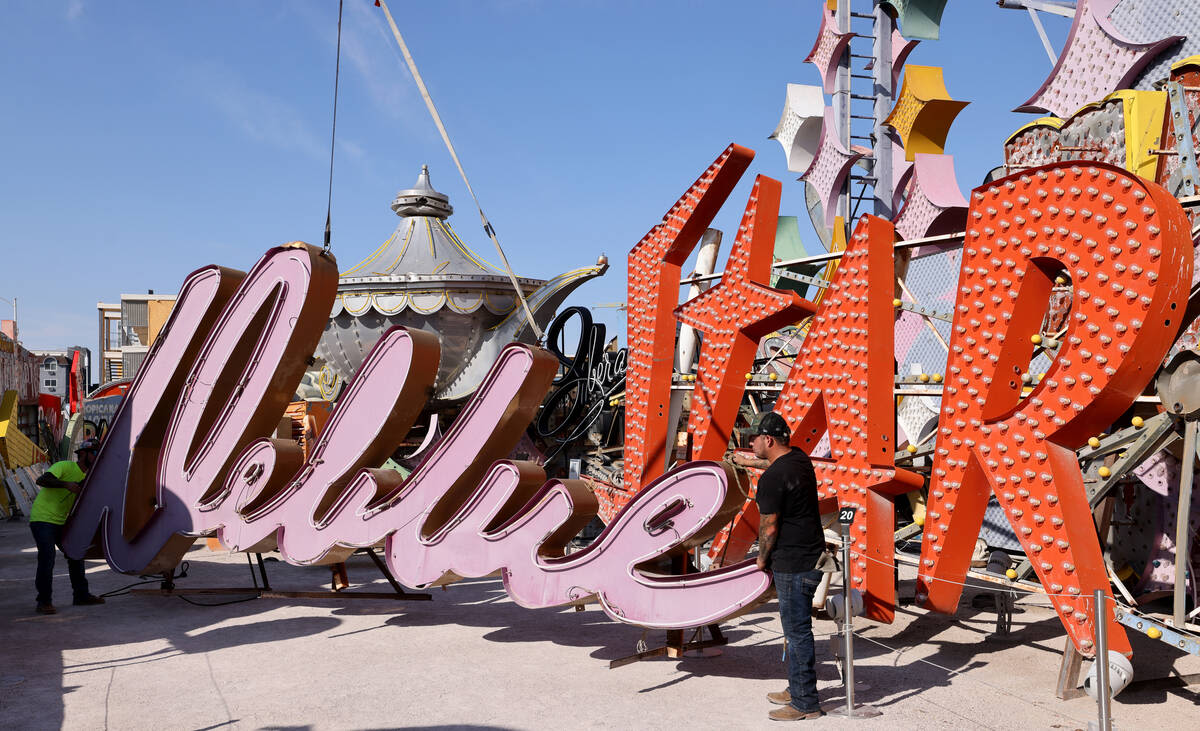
{"x":423,"y":276}
{"x":424,"y":242}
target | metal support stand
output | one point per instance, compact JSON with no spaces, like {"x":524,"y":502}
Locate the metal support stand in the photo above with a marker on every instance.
{"x":675,"y":645}
{"x":383,"y":569}
{"x":168,"y":587}
{"x":1068,"y":673}
{"x":849,"y":709}
{"x":1182,"y":535}
{"x":847,"y":627}
{"x":262,"y":572}
{"x":1100,"y":620}
{"x":1005,"y":607}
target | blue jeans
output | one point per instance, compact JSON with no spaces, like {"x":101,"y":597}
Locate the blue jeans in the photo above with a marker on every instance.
{"x":48,"y":537}
{"x":795,"y":610}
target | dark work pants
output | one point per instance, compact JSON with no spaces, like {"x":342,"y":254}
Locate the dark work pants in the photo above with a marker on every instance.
{"x":795,"y":611}
{"x":48,"y":537}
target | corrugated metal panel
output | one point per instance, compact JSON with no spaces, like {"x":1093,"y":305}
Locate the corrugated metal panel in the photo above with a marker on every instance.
{"x":131,"y":362}
{"x":135,"y":322}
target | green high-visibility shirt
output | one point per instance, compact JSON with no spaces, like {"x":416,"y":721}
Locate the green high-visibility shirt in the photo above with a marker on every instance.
{"x":52,"y":504}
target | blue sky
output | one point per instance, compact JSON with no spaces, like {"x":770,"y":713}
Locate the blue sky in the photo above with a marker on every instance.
{"x":145,"y":140}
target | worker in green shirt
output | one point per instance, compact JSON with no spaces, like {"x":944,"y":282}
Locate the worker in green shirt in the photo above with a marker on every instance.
{"x":60,"y":487}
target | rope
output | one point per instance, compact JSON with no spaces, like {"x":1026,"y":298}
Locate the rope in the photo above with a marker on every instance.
{"x":1087,"y":599}
{"x":1016,"y":588}
{"x":437,"y":120}
{"x":961,"y":674}
{"x":337,"y":74}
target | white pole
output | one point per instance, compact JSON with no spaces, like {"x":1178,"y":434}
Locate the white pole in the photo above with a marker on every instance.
{"x":685,"y":353}
{"x":881,"y":168}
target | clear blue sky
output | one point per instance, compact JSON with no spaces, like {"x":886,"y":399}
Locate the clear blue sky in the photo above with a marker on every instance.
{"x":144,"y":140}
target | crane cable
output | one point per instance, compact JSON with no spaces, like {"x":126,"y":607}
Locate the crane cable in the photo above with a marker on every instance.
{"x":337,"y":74}
{"x":437,"y":120}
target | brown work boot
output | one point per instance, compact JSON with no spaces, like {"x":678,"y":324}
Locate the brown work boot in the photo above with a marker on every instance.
{"x":782,"y":698}
{"x":791,"y":713}
{"x":46,"y":609}
{"x":87,"y":601}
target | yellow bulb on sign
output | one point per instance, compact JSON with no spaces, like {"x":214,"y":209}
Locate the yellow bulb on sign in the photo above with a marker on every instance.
{"x":937,"y":378}
{"x":1154,"y":633}
{"x":912,"y":449}
{"x":896,"y":302}
{"x":1036,"y":339}
{"x":923,"y":378}
{"x":1093,"y":442}
{"x":1104,"y":472}
{"x":1137,"y":421}
{"x":1011,"y":573}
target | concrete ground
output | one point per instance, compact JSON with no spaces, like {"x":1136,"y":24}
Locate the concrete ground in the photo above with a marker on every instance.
{"x":472,"y":659}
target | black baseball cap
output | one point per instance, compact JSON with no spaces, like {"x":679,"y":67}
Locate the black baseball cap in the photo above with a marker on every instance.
{"x":772,"y":425}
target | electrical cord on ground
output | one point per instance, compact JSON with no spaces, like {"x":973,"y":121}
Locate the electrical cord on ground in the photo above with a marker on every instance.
{"x":219,"y":604}
{"x":147,"y":579}
{"x":125,"y":589}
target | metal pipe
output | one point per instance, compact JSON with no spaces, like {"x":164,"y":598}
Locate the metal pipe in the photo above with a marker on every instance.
{"x":1182,"y":535}
{"x":706,"y":261}
{"x":881,"y":165}
{"x":847,"y":624}
{"x":1037,"y":24}
{"x":1057,"y":7}
{"x":1100,"y":619}
{"x":841,"y":109}
{"x":819,"y":258}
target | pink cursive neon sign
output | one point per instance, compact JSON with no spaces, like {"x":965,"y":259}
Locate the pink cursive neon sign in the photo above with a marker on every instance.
{"x":460,"y":514}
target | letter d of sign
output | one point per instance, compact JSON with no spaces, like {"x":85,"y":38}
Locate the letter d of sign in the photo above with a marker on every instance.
{"x":235,"y":391}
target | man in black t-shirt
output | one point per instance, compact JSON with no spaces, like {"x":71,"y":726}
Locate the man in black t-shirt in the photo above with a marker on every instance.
{"x":790,"y":541}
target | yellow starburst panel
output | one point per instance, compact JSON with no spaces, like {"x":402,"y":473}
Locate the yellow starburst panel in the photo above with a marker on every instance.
{"x":924,"y":111}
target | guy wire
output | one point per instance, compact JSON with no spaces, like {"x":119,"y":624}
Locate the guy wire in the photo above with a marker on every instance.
{"x":337,"y":73}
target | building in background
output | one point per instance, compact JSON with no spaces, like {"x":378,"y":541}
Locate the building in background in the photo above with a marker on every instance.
{"x":55,"y":370}
{"x":20,"y":372}
{"x":127,"y":330}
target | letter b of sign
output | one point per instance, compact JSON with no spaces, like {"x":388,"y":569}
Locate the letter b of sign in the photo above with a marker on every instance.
{"x":1124,"y":244}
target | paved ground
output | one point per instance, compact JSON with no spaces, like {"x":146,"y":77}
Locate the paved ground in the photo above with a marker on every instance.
{"x":473,"y":659}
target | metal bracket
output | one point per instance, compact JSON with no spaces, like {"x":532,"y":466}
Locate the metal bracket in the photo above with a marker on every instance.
{"x":1139,"y":443}
{"x":926,"y":312}
{"x":802,"y":278}
{"x":1169,"y":635}
{"x":1005,"y":601}
{"x":1183,"y":182}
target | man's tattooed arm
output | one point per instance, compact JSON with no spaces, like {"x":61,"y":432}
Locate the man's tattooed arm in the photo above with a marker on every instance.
{"x":768,"y":532}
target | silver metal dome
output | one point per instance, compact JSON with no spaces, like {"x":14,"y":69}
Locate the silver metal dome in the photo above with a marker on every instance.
{"x":424,"y":276}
